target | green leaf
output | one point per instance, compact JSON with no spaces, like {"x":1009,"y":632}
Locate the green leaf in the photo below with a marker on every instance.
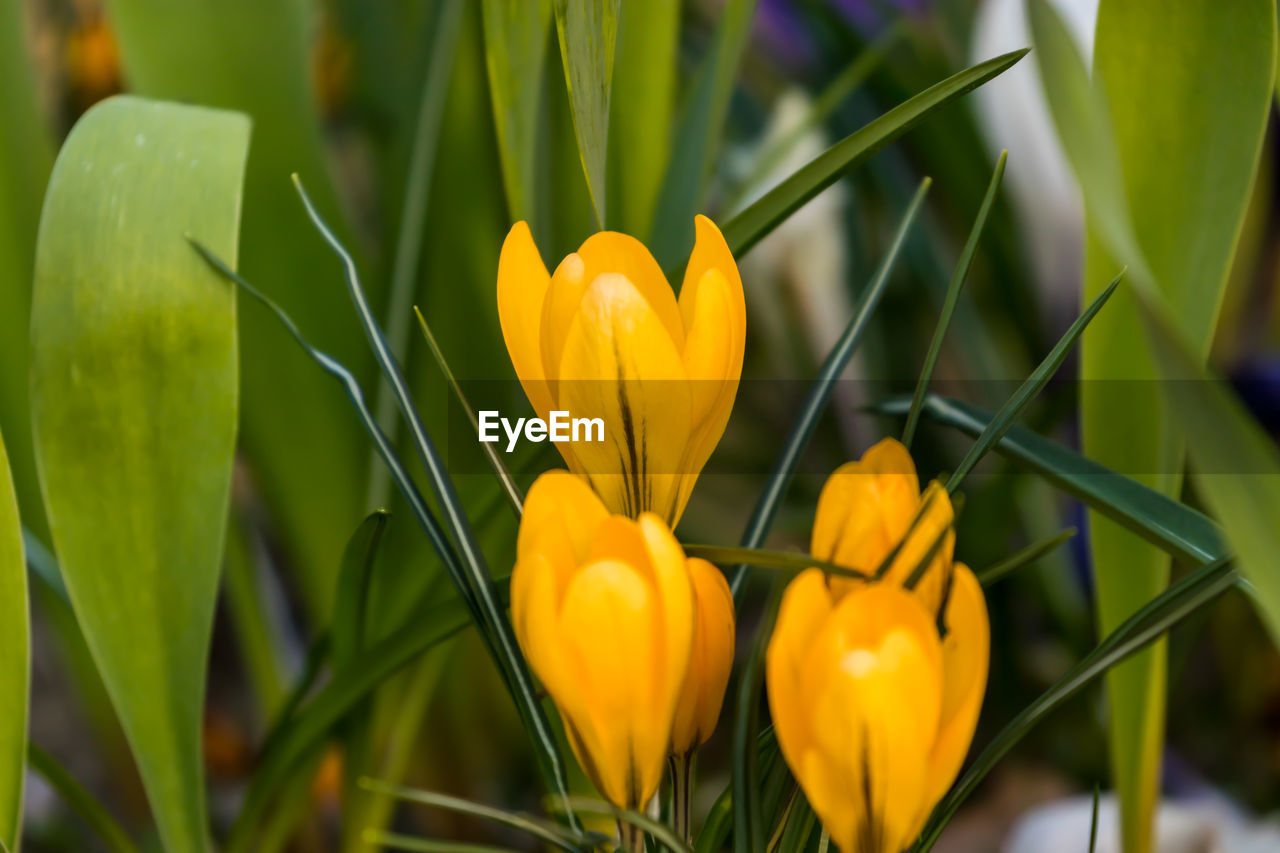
{"x":657,"y":829}
{"x":1165,"y":142}
{"x":588,"y":31}
{"x":348,"y":633}
{"x":1143,"y":628}
{"x":26,"y":155}
{"x":747,"y":818}
{"x":15,"y":659}
{"x":1025,"y":557}
{"x":1030,"y":387}
{"x":807,"y":421}
{"x":81,"y":801}
{"x":256,"y":58}
{"x":697,"y":136}
{"x":748,"y":227}
{"x":413,"y":844}
{"x":1234,"y":463}
{"x":134,"y":393}
{"x":640,"y":107}
{"x":515,"y":45}
{"x":761,"y":558}
{"x":952,"y":299}
{"x":1172,"y":527}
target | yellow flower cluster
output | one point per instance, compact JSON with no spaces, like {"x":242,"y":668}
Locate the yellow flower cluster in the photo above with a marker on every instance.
{"x":874,"y":685}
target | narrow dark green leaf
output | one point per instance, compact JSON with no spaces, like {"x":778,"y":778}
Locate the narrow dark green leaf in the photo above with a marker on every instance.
{"x":515,"y":45}
{"x":1093,"y":821}
{"x":508,"y":483}
{"x":15,"y":659}
{"x":1171,"y":526}
{"x":81,"y":801}
{"x":953,"y":297}
{"x":355,"y":572}
{"x":1025,"y":557}
{"x":660,"y":831}
{"x":748,"y":227}
{"x":588,"y":32}
{"x":747,"y":821}
{"x":1029,"y":389}
{"x":549,"y":832}
{"x":413,"y":844}
{"x":135,"y":388}
{"x":413,"y":214}
{"x":1143,"y":628}
{"x":807,"y":421}
{"x":697,"y":136}
{"x":762,"y":558}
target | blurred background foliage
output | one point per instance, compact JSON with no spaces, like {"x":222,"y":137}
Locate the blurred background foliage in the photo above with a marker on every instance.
{"x":424,"y":145}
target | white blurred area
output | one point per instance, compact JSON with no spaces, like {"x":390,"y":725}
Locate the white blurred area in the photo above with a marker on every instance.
{"x":1012,"y":114}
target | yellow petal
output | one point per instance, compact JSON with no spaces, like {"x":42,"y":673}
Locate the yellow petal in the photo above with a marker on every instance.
{"x":536,"y":591}
{"x":711,"y":252}
{"x":966,"y":652}
{"x":806,"y":605}
{"x":675,"y":594}
{"x":713,"y":363}
{"x":522,"y":287}
{"x":872,"y":688}
{"x":710,"y":661}
{"x":564,"y":297}
{"x":935,"y":521}
{"x":560,"y":504}
{"x":607,"y":633}
{"x":611,"y":252}
{"x":865,"y":506}
{"x":620,"y":365}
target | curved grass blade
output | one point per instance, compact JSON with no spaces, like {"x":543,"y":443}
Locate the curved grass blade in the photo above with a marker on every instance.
{"x":413,"y":844}
{"x":697,"y":136}
{"x":15,"y":659}
{"x":807,"y":421}
{"x":354,"y":575}
{"x":43,"y":564}
{"x":1171,"y":526}
{"x":149,"y":336}
{"x":551,"y":833}
{"x":515,"y":45}
{"x":81,"y":801}
{"x":588,"y":33}
{"x":762,"y":558}
{"x":1027,"y":392}
{"x":660,"y":831}
{"x":1143,"y":628}
{"x":953,"y":297}
{"x":748,"y":227}
{"x":494,"y":624}
{"x":1025,"y":557}
{"x":413,"y":214}
{"x":508,"y":483}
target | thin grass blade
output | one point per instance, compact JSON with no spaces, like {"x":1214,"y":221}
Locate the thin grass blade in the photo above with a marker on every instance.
{"x":81,"y":801}
{"x":748,"y":828}
{"x":952,"y":298}
{"x":660,"y":831}
{"x":819,"y":393}
{"x":1025,"y":557}
{"x":789,"y":561}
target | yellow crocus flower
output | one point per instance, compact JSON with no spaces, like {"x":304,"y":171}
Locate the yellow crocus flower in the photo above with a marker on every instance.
{"x":702,"y":695}
{"x":603,"y":608}
{"x":873,"y":709}
{"x":605,"y":337}
{"x":867,"y":508}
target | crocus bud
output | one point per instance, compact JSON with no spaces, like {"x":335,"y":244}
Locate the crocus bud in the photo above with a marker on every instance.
{"x":873,"y":508}
{"x":710,"y":662}
{"x":873,"y":709}
{"x":603,"y":609}
{"x":605,"y":337}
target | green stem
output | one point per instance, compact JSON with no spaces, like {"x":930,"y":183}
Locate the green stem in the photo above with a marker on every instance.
{"x":630,"y":836}
{"x":681,"y":794}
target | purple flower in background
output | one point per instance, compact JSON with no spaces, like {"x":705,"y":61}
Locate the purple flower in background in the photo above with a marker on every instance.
{"x":785,"y":26}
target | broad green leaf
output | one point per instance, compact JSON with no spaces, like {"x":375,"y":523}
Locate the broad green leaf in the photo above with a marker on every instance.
{"x":747,"y":228}
{"x":1165,"y":142}
{"x":134,"y":395}
{"x":1234,"y":464}
{"x":26,"y":155}
{"x":640,"y":109}
{"x":15,"y":659}
{"x":588,"y":31}
{"x":697,"y":136}
{"x":515,"y":44}
{"x":806,"y":422}
{"x":255,"y":57}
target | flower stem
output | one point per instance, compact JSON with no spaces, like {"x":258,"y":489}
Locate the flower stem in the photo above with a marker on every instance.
{"x":631,"y":837}
{"x":681,"y":791}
